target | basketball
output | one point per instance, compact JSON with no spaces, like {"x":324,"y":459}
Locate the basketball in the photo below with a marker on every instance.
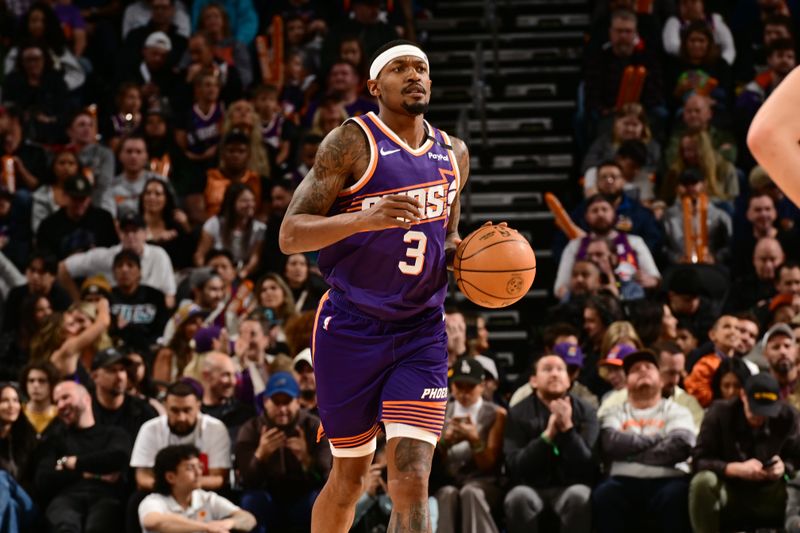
{"x":494,"y":266}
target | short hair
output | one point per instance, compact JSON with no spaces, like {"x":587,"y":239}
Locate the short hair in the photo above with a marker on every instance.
{"x":671,"y":347}
{"x":80,"y":112}
{"x":609,"y":163}
{"x":779,"y":45}
{"x":264,"y":88}
{"x":46,"y":367}
{"x":284,"y":184}
{"x":218,"y":252}
{"x":182,"y":389}
{"x":595,"y":198}
{"x":758,"y":193}
{"x":780,"y":20}
{"x":750,"y":317}
{"x":539,"y":357}
{"x":623,"y":14}
{"x":559,"y":329}
{"x":786,"y":265}
{"x":132,"y":137}
{"x":49,"y":262}
{"x":635,"y":150}
{"x":127,"y":256}
{"x":167,"y":460}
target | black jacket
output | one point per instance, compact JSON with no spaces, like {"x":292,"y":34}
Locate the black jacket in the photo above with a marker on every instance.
{"x":534,"y":462}
{"x":726,"y":437}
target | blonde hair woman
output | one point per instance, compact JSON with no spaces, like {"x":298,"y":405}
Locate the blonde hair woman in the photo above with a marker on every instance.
{"x":620,"y":332}
{"x":242,"y":115}
{"x":697,"y":152}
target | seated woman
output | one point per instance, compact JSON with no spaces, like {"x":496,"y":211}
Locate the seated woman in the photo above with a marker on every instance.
{"x":234,"y":229}
{"x":165,"y":224}
{"x":729,"y":378}
{"x":719,"y":175}
{"x":307,"y":287}
{"x":214,"y":22}
{"x":691,"y":11}
{"x":39,"y":91}
{"x":17,"y":445}
{"x":68,"y":340}
{"x":48,"y":199}
{"x":275,"y":303}
{"x":630,"y":123}
{"x":700,"y":69}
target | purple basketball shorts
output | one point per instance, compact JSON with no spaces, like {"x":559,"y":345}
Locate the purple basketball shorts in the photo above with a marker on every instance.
{"x":370,"y":371}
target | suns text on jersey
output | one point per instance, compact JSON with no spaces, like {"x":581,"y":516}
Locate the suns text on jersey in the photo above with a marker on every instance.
{"x":434,"y":199}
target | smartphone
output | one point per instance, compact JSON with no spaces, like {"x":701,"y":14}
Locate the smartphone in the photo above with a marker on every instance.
{"x":291,"y":432}
{"x":461,"y":419}
{"x":768,"y":463}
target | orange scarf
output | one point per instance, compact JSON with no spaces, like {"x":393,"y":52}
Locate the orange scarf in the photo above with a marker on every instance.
{"x":695,"y":243}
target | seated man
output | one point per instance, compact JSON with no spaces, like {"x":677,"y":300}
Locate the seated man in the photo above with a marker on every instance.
{"x":548,"y":446}
{"x":698,"y":116}
{"x":282,"y":463}
{"x":219,"y":386}
{"x":647,"y":440}
{"x":183,"y":424}
{"x":634,"y":260}
{"x":744,"y":448}
{"x":470,"y":449}
{"x":81,"y":470}
{"x":156,"y":266}
{"x":179,"y":504}
{"x":687,"y":240}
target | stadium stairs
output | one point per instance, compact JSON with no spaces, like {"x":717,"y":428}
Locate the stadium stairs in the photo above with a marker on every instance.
{"x":505,"y":75}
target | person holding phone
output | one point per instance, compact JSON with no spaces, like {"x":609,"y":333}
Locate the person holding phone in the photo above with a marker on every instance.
{"x":282,"y":466}
{"x":745,"y":448}
{"x":470,"y":449}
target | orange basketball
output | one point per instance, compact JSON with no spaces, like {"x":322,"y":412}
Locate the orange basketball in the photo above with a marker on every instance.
{"x":494,"y":266}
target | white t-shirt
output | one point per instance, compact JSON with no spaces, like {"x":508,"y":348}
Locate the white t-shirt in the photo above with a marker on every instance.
{"x":240,"y":250}
{"x":205,"y":507}
{"x":661,"y":419}
{"x":157,"y":269}
{"x":210,"y":436}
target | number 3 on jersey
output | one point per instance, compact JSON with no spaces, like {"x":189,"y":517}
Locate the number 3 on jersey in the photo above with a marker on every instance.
{"x":417,"y":253}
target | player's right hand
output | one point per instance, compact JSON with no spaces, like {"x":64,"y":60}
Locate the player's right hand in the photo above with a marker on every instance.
{"x":392,"y":211}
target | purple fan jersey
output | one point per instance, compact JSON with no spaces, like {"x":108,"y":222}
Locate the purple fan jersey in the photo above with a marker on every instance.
{"x":394,"y":274}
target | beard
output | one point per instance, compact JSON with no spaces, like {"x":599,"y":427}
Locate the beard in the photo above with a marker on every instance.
{"x":182,"y":430}
{"x":418,"y":108}
{"x":783,"y":367}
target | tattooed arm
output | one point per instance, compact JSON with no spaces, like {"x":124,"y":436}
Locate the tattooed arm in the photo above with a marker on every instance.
{"x":462,"y":160}
{"x":342,"y":154}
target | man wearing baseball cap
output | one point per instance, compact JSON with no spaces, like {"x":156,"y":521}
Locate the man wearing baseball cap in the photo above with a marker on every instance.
{"x":647,"y":440}
{"x":779,"y":348}
{"x":156,"y":266}
{"x":304,"y":372}
{"x":282,"y":464}
{"x":470,"y":447}
{"x":745,"y":447}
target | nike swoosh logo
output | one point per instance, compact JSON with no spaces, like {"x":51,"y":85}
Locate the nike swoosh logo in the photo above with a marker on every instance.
{"x":389,"y":152}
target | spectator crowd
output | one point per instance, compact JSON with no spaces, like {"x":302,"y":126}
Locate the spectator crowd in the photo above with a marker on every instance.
{"x":155,"y":351}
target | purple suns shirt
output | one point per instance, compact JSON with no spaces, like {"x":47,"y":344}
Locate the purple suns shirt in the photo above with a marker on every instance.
{"x":394,"y":274}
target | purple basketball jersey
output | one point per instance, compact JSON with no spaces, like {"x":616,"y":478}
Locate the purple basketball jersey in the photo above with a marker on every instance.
{"x":204,"y":130}
{"x":396,"y":273}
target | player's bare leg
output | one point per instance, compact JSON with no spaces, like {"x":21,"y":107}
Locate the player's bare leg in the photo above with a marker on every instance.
{"x":335,"y":506}
{"x":409,"y":466}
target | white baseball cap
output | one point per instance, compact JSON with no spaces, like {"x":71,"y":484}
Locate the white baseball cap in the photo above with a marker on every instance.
{"x":158,"y":39}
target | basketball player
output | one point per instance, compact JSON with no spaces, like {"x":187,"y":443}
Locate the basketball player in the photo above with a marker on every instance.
{"x":382,"y":205}
{"x":774,"y":136}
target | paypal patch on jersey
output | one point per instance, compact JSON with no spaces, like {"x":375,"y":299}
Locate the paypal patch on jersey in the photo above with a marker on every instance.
{"x":396,"y":273}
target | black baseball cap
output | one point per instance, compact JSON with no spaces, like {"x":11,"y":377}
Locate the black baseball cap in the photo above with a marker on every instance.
{"x":468,"y":370}
{"x":130,"y":218}
{"x":763,"y":395}
{"x":78,"y":186}
{"x":106,"y":358}
{"x":640,"y":355}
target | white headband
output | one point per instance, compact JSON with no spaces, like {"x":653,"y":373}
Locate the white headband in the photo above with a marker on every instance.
{"x":393,"y":53}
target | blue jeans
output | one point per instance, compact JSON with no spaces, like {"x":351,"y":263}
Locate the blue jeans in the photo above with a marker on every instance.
{"x":17,"y":512}
{"x":275,"y":516}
